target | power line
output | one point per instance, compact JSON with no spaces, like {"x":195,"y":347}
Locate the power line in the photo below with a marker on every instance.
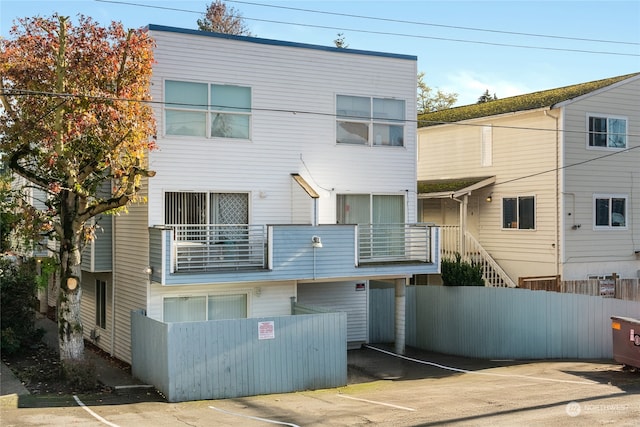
{"x":24,"y":92}
{"x":385,"y":33}
{"x":427,"y":24}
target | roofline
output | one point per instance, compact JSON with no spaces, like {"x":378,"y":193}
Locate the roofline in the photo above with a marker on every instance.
{"x":495,"y":116}
{"x":595,"y":92}
{"x":271,"y":42}
{"x":455,"y":194}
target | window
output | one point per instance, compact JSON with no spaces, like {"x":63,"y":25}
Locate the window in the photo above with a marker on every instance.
{"x":200,"y":308}
{"x":201,"y":109}
{"x":519,"y":213}
{"x":101,"y":304}
{"x":609,"y":211}
{"x":370,"y":121}
{"x":370,"y":209}
{"x":200,"y":208}
{"x":607,"y":132}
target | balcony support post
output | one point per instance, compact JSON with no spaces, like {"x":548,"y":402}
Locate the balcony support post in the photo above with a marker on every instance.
{"x":400,"y":292}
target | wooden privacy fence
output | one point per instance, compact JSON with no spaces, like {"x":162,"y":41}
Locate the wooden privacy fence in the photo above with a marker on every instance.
{"x":502,"y":323}
{"x":240,"y":357}
{"x":614,"y":287}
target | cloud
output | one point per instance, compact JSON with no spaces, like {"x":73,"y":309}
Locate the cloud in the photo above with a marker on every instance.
{"x":471,"y":85}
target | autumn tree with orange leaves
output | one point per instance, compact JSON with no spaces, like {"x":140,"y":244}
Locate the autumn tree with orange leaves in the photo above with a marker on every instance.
{"x":75,"y":118}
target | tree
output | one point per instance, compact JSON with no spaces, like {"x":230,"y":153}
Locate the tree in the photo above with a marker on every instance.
{"x":220,"y":19}
{"x":341,"y":42}
{"x":74,"y":118}
{"x":429,"y":102}
{"x":486,"y":97}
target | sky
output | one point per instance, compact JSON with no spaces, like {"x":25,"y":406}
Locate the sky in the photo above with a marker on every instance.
{"x":465,"y":47}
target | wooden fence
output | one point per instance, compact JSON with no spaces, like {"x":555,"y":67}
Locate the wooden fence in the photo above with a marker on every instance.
{"x":241,"y":357}
{"x":502,"y":323}
{"x":614,"y":287}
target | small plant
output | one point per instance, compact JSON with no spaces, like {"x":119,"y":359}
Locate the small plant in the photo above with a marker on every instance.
{"x":461,"y":273}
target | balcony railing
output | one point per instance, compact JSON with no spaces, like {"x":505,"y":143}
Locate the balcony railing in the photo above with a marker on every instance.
{"x":394,"y":243}
{"x":213,"y":247}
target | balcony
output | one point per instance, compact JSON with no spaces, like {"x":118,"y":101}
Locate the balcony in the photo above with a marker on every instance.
{"x":182,"y":254}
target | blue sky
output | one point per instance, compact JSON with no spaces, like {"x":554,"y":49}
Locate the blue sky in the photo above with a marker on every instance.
{"x":465,"y":47}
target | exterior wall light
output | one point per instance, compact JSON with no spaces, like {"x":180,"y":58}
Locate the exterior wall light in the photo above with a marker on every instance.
{"x":489,"y":198}
{"x":316,"y":242}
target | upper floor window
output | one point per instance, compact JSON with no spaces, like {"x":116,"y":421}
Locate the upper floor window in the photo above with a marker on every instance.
{"x":201,"y":109}
{"x":370,"y":121}
{"x":519,"y":212}
{"x":607,"y":132}
{"x":610,"y":211}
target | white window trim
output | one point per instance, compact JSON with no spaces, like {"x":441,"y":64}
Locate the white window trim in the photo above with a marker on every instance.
{"x":535,"y":213}
{"x":606,"y":116}
{"x":208,"y":111}
{"x":208,"y":198}
{"x":370,"y":121}
{"x":247,"y":292}
{"x":609,"y":196}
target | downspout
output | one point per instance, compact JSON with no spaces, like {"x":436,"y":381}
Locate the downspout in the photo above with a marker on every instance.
{"x":113,"y":285}
{"x":557,"y":195}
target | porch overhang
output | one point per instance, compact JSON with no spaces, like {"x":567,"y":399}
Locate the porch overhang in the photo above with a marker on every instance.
{"x":452,"y":188}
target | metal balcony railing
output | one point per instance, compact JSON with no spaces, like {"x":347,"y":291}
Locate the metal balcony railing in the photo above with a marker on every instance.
{"x":378,"y":243}
{"x":211,"y":247}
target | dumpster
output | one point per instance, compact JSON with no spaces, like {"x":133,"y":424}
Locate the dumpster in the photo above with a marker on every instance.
{"x":626,"y":341}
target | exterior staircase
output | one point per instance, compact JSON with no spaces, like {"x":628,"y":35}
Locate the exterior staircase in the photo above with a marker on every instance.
{"x":474,"y":253}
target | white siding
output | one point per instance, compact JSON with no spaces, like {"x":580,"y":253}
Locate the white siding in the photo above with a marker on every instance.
{"x":284,"y":80}
{"x":131,"y":281}
{"x":590,"y":251}
{"x":340,"y":297}
{"x":263,"y":299}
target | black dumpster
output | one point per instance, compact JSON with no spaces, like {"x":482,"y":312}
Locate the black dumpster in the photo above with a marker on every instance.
{"x":626,"y":341}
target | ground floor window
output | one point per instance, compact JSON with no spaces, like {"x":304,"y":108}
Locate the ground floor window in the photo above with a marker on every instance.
{"x":101,"y":304}
{"x":519,"y":212}
{"x":205,"y":307}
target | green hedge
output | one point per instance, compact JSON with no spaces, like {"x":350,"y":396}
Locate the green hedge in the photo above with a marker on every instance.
{"x":461,"y":273}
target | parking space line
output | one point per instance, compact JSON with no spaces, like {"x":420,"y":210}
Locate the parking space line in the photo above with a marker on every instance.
{"x":93,"y":414}
{"x":253,"y":418}
{"x":377,"y":403}
{"x":465,"y":371}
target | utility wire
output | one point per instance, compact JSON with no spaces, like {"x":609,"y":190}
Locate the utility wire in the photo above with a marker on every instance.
{"x":187,"y":106}
{"x":611,"y":154}
{"x":427,"y":24}
{"x":356,"y":30}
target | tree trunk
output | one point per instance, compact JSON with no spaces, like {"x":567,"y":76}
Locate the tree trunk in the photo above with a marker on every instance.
{"x":69,"y":323}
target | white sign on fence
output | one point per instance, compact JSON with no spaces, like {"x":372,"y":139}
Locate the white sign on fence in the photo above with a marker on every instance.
{"x":266,"y":330}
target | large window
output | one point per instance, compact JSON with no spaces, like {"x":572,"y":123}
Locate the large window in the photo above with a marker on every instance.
{"x":201,"y":109}
{"x":370,"y":209}
{"x":519,"y":213}
{"x":607,"y":132}
{"x":609,"y":211}
{"x":205,"y":307}
{"x":199,"y":208}
{"x":370,"y":121}
{"x":101,"y":304}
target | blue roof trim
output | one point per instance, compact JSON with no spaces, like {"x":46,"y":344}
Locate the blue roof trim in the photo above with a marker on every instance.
{"x":154,"y":27}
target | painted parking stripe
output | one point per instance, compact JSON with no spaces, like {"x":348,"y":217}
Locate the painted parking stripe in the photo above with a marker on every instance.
{"x":376,"y":403}
{"x":465,"y":371}
{"x":93,"y":414}
{"x":253,"y":418}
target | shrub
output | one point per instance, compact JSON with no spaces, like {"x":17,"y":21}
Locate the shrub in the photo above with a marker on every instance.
{"x":461,"y":273}
{"x":17,"y":306}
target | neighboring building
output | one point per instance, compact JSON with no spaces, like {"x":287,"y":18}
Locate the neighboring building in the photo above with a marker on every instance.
{"x":283,"y":171}
{"x":543,"y":184}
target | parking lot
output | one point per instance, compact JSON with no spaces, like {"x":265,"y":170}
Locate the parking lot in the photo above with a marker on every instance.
{"x":422,"y":389}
